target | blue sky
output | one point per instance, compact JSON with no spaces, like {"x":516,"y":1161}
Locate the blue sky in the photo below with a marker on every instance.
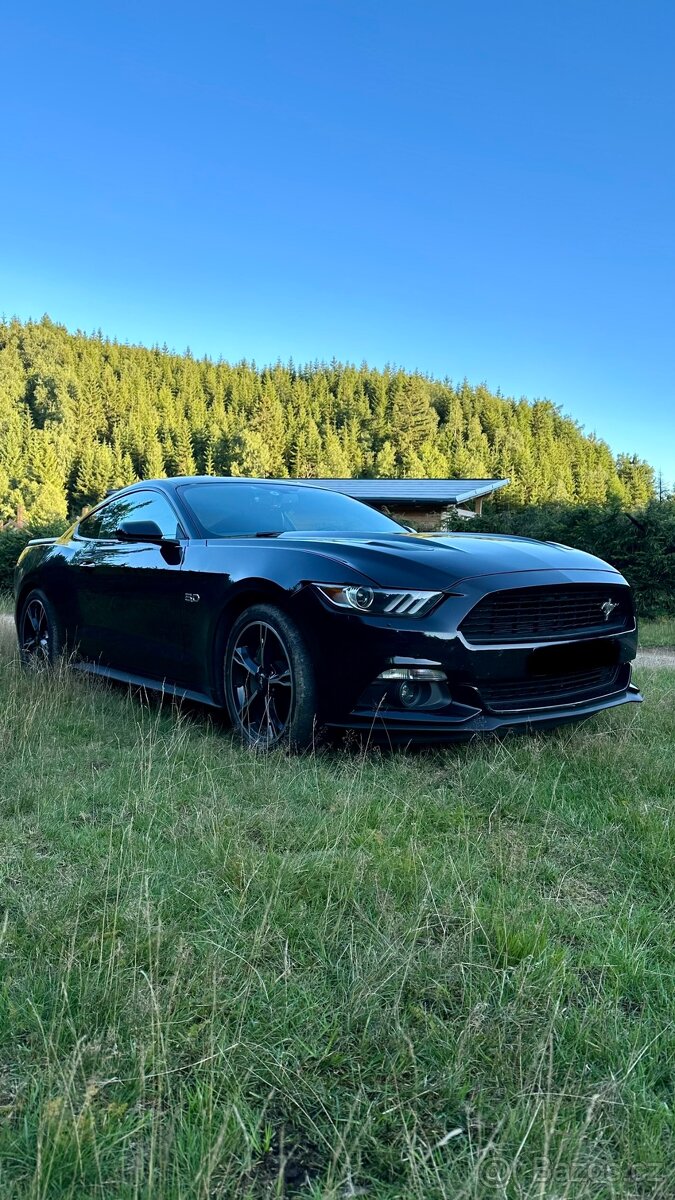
{"x":472,"y":189}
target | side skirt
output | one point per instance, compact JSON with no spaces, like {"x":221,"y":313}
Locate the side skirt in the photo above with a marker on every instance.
{"x":142,"y":681}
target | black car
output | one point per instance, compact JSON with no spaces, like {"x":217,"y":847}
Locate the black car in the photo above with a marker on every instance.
{"x":296,"y":607}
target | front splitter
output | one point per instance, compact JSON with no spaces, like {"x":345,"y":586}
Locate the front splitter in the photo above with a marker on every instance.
{"x":424,"y":727}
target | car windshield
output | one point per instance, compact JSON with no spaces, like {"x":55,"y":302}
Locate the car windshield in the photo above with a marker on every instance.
{"x":230,"y":508}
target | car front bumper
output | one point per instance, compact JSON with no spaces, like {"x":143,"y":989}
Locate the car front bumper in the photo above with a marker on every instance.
{"x":353,"y":650}
{"x":392,"y":726}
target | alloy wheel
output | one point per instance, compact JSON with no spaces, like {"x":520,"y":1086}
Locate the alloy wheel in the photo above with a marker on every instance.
{"x":261,"y":681}
{"x":35,"y":634}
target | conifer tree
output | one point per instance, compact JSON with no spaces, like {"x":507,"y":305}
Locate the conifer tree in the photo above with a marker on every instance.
{"x":108,"y":413}
{"x":335,"y":461}
{"x":385,"y":461}
{"x":413,"y":419}
{"x":637,"y":478}
{"x":181,"y":456}
{"x":152,"y":463}
{"x":44,"y":490}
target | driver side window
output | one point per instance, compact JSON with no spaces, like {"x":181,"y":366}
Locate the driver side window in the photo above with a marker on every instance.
{"x":151,"y":506}
{"x":137,"y":506}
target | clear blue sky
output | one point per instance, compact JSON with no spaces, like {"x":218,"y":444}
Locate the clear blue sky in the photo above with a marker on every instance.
{"x":472,"y":189}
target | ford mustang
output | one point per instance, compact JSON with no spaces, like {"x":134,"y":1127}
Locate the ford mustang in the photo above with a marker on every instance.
{"x":297,"y":608}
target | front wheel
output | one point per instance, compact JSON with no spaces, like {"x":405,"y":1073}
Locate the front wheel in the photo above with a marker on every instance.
{"x":39,"y":632}
{"x":270,"y":686}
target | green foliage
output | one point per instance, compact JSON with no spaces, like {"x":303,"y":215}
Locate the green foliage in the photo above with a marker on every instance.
{"x":658,"y":634}
{"x":12,"y":542}
{"x":80,"y":414}
{"x":235,"y":977}
{"x":641,"y":544}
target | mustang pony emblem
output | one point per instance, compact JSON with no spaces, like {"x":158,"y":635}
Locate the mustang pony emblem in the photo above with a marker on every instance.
{"x":608,"y":608}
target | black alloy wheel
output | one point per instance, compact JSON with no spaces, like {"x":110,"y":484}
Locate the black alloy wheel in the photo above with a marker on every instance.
{"x":269,"y":684}
{"x":39,"y":634}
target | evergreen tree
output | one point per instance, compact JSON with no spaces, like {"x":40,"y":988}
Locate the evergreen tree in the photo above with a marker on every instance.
{"x":638,"y":479}
{"x":385,"y":462}
{"x":98,"y":470}
{"x":79,"y":415}
{"x":44,"y":490}
{"x":181,"y":457}
{"x":336,"y":462}
{"x":413,"y":420}
{"x":152,"y":460}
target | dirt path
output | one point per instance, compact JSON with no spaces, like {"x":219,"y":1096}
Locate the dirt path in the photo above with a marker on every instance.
{"x":657,"y":656}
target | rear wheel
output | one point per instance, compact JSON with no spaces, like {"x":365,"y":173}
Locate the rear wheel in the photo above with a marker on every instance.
{"x":39,"y":631}
{"x":270,"y":687}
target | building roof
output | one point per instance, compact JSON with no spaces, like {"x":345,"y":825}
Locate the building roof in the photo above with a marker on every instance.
{"x":421,"y":493}
{"x":424,"y":492}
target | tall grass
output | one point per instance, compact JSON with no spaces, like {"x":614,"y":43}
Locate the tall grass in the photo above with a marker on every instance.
{"x":444,"y":974}
{"x":660,"y":632}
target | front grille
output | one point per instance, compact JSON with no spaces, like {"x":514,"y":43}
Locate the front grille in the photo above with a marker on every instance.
{"x":510,"y":695}
{"x":540,"y":614}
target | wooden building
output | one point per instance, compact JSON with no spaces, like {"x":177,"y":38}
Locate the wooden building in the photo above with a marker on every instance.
{"x":422,"y":503}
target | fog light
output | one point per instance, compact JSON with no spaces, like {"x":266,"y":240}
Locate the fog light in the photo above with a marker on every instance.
{"x":419,"y":695}
{"x":407,"y":686}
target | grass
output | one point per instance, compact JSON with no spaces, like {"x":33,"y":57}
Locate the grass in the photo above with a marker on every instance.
{"x":660,"y":632}
{"x":433,"y":975}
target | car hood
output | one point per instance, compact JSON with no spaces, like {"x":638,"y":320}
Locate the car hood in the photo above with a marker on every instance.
{"x":440,"y":560}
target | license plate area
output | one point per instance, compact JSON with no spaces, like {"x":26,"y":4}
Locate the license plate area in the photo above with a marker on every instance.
{"x":580,"y":656}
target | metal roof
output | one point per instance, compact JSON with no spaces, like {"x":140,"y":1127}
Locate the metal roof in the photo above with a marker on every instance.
{"x":427,"y":492}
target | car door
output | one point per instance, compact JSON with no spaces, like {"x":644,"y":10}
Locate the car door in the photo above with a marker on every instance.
{"x":129,"y":598}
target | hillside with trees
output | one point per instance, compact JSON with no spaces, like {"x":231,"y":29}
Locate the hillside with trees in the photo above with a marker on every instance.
{"x":81,"y":414}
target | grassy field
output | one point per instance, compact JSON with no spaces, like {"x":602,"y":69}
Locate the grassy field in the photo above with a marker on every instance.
{"x":658,"y":633}
{"x":433,"y":975}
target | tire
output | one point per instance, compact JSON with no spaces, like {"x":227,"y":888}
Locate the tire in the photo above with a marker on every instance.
{"x":270,"y":681}
{"x":40,"y":633}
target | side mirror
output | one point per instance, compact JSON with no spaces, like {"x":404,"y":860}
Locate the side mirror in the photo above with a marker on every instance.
{"x":139,"y":531}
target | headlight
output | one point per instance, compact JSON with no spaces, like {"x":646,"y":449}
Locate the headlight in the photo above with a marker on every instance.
{"x":380,"y":602}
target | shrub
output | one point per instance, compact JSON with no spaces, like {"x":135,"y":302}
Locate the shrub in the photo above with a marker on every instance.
{"x":12,"y":542}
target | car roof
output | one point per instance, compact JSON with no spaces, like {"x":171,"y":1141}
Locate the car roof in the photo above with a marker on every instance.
{"x":170,"y":484}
